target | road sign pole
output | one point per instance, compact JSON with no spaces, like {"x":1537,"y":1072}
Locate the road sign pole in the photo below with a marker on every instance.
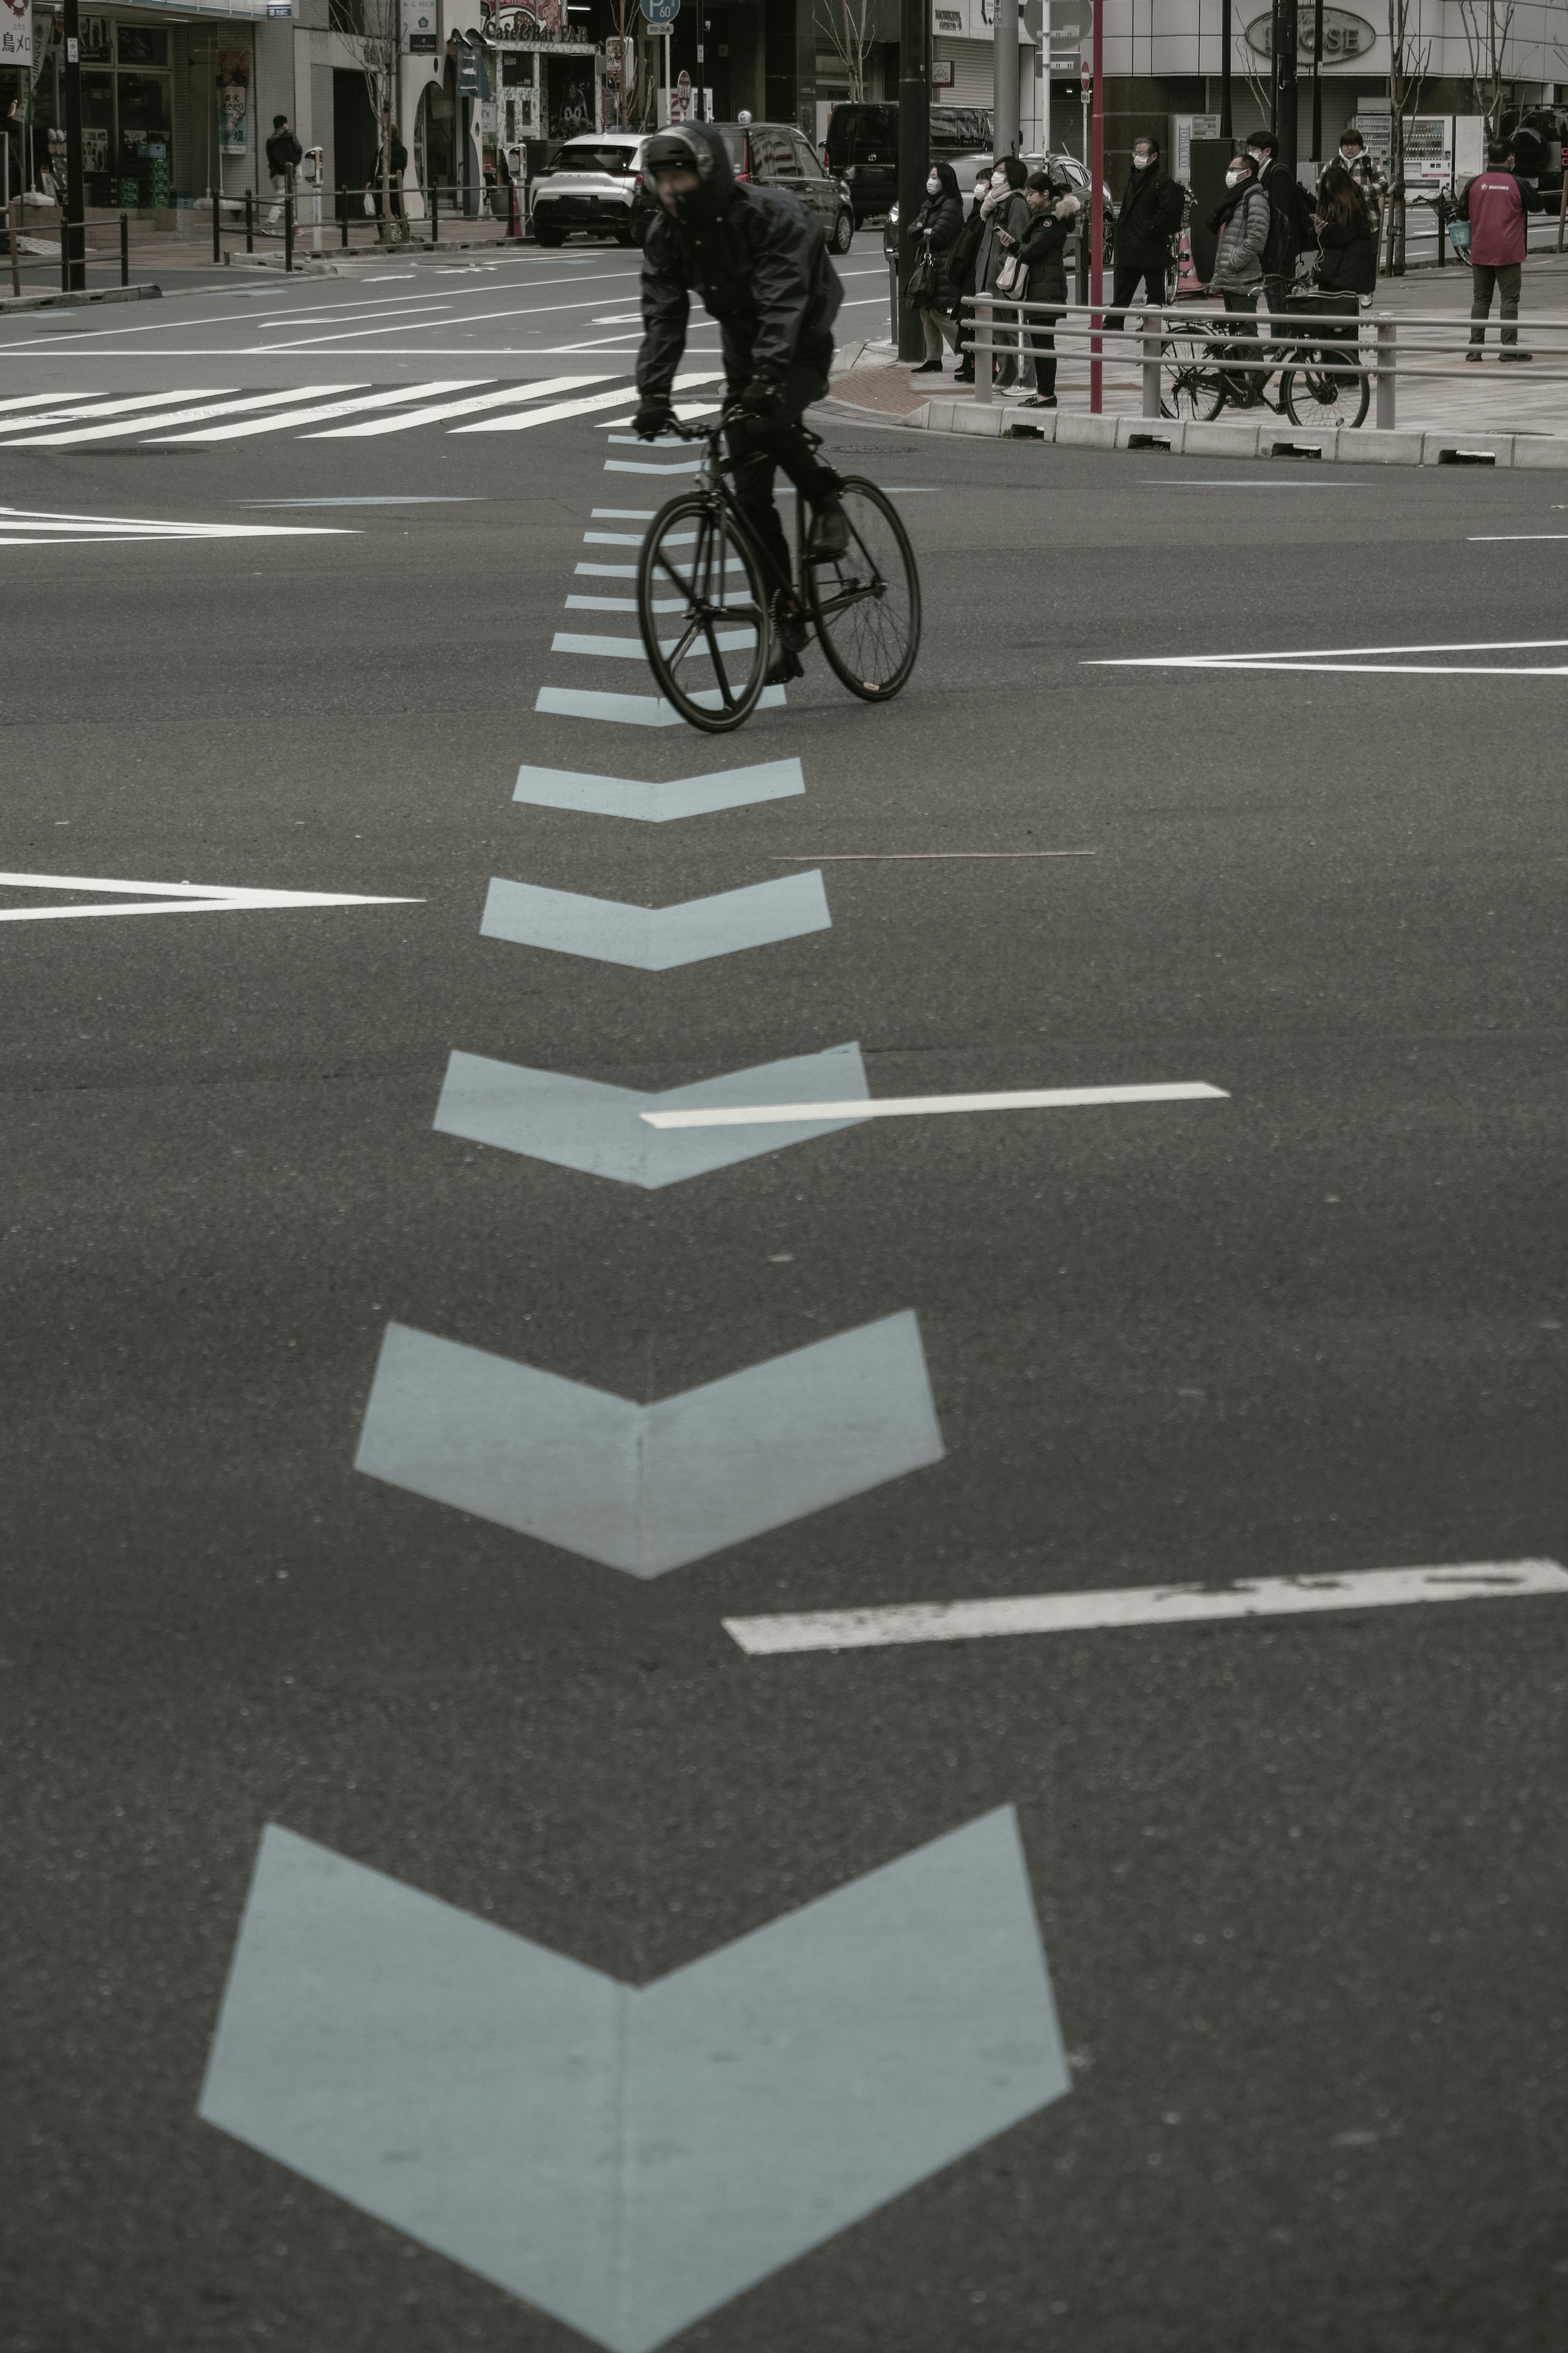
{"x":1096,"y":213}
{"x":73,"y":229}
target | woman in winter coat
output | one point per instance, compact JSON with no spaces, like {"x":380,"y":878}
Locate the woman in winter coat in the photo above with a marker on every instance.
{"x":1005,"y":215}
{"x":1240,"y":222}
{"x":1052,"y":215}
{"x":961,"y":268}
{"x":938,"y":227}
{"x":1346,"y":236}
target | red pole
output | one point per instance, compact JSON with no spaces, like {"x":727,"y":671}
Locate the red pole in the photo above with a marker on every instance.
{"x":1096,"y":224}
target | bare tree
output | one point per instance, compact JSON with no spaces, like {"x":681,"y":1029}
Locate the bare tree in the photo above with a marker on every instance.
{"x":1488,"y":25}
{"x":378,"y":51}
{"x":631,"y":74}
{"x":1407,"y":63}
{"x":848,"y":27}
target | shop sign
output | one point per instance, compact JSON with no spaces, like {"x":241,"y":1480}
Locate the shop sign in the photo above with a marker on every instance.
{"x":16,"y":32}
{"x":1344,"y":36}
{"x":421,"y":28}
{"x":532,"y":20}
{"x":941,"y":73}
{"x":232,"y":73}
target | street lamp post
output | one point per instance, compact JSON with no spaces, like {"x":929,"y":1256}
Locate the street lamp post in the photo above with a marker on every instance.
{"x":73,"y":233}
{"x":914,"y":149}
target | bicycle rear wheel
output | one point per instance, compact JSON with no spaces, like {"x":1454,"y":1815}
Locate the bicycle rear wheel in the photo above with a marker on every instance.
{"x":866,"y":604}
{"x":703,"y":609}
{"x":1313,"y":397}
{"x":1190,"y":383}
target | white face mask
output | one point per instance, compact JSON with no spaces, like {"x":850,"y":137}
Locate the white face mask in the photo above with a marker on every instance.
{"x":1235,"y":179}
{"x":1142,"y":162}
{"x":1349,"y":154}
{"x":998,"y":179}
{"x":933,"y":187}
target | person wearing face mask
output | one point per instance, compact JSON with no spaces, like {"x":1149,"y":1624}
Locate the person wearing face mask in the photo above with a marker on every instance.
{"x":1054,"y":212}
{"x":961,"y":269}
{"x":1150,"y":217}
{"x":1008,"y":221}
{"x":1240,"y":222}
{"x":938,"y":227}
{"x":1368,"y":174}
{"x":1290,"y":230}
{"x":759,"y":260}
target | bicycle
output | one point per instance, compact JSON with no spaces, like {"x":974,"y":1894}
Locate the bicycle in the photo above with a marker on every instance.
{"x":1201,"y":368}
{"x":863,"y":606}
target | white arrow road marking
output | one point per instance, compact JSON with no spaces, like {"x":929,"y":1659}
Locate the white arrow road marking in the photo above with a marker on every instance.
{"x":99,"y":531}
{"x":1143,"y":1605}
{"x":174,"y":898}
{"x":1351,"y":658}
{"x":910,"y":1106}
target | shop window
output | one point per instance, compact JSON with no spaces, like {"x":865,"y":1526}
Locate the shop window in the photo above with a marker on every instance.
{"x":144,"y":45}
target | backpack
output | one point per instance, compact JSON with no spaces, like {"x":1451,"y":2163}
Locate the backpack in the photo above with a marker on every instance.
{"x":1280,"y":243}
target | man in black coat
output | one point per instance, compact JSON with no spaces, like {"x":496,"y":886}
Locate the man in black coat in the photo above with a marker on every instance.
{"x":1150,"y":217}
{"x":284,"y":157}
{"x":759,"y":260}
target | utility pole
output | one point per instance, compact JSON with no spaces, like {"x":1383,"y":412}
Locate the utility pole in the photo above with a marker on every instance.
{"x":1094,"y":221}
{"x":914,"y":154}
{"x":1318,"y":90}
{"x":1225,"y":37}
{"x":1005,"y":83}
{"x":72,"y":233}
{"x":1283,"y":43}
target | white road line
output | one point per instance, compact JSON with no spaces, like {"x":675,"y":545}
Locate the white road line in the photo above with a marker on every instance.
{"x":90,"y":408}
{"x":145,"y":527}
{"x":314,"y":413}
{"x":51,"y":399}
{"x":461,"y":319}
{"x":408,"y":419}
{"x":568,"y":408}
{"x":1315,"y":654}
{"x":172,"y":899}
{"x":911,"y":1106}
{"x":1488,"y":538}
{"x":1145,"y":1605}
{"x":123,"y":425}
{"x":623,"y":514}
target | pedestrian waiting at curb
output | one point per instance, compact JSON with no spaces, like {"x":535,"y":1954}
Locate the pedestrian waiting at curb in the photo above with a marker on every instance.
{"x":1368,"y":174}
{"x":1240,"y":222}
{"x":938,"y":227}
{"x":960,"y":264}
{"x":1495,"y":204}
{"x":284,"y":157}
{"x":1290,"y":219}
{"x":1007,"y":218}
{"x":1150,"y":217}
{"x":1044,"y":254}
{"x":1346,"y":238}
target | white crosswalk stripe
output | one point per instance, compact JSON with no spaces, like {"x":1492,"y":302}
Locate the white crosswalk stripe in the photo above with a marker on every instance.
{"x":411,"y":418}
{"x":312,"y":416}
{"x":123,"y":425}
{"x":615,"y":400}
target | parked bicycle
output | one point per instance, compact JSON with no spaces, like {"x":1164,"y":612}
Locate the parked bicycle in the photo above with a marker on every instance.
{"x":706,"y":613}
{"x":1204,"y":365}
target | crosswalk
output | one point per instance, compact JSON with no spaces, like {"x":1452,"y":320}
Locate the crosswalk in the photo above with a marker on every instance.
{"x":211,"y":415}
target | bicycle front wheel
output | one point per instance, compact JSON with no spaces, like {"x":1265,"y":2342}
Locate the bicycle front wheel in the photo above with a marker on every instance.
{"x":866,"y":604}
{"x":703,"y":609}
{"x":1190,"y":383}
{"x":1312,"y":396}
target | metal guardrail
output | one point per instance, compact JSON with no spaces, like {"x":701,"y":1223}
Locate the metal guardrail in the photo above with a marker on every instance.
{"x":1387,"y":348}
{"x":68,"y":232}
{"x":305,"y":218}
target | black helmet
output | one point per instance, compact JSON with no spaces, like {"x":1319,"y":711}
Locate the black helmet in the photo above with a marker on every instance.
{"x":693,"y":147}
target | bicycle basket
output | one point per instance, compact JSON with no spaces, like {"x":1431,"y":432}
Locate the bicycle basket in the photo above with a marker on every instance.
{"x":1329,"y":306}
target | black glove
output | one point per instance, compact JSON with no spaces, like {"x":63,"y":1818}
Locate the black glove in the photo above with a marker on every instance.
{"x":760,"y":398}
{"x":654,"y":417}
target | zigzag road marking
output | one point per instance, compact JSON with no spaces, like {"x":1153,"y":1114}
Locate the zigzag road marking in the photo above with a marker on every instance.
{"x":635,"y":709}
{"x":583,"y":1124}
{"x":649,"y":1488}
{"x":659,"y":804}
{"x":628,"y":2158}
{"x":1143,"y":1605}
{"x":656,"y":939}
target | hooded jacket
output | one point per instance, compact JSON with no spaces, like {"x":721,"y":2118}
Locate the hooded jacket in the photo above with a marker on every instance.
{"x":284,"y":152}
{"x":1043,"y":249}
{"x":759,"y":260}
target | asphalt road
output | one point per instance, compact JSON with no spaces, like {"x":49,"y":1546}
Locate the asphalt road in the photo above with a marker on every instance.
{"x":1299,"y":1882}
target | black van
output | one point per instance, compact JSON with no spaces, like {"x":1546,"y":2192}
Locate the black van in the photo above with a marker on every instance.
{"x":862,"y":147}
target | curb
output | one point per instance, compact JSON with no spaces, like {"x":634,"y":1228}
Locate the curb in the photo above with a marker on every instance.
{"x":77,"y":302}
{"x":1362,"y":445}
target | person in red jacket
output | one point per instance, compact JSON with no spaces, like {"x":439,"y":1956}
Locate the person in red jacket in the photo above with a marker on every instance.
{"x":1495,"y":205}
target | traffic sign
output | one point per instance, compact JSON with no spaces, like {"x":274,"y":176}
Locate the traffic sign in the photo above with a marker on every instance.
{"x":1086,"y":78}
{"x":661,"y":12}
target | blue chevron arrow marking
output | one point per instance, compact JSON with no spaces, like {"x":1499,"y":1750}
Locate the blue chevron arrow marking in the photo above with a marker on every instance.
{"x":647,"y":1488}
{"x":656,"y":939}
{"x":657,"y":804}
{"x":628,"y":2158}
{"x":583,"y":1124}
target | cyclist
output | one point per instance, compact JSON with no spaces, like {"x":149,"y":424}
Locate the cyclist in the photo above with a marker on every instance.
{"x":760,"y":262}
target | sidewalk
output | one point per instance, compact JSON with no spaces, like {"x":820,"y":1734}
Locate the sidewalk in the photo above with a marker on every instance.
{"x":1489,"y":397}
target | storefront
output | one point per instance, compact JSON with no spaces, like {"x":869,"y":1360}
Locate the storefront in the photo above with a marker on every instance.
{"x":551,"y":90}
{"x":168,"y":104}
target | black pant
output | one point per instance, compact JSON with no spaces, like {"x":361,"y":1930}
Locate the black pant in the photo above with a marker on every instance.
{"x":1039,"y":340}
{"x":758,"y":444}
{"x":1128,"y":277}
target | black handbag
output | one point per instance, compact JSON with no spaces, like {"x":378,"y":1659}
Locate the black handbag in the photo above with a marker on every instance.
{"x":921,"y":284}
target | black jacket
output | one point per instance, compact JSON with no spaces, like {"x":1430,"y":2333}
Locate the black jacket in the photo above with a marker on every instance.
{"x":965,"y":253}
{"x":1150,"y":217}
{"x":759,"y":260}
{"x":942,"y":219}
{"x":1287,"y":206}
{"x":1044,"y":247}
{"x":1350,"y":259}
{"x":283,"y":150}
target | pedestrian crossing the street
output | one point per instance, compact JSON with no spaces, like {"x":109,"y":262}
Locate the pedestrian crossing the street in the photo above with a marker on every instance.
{"x":209,"y":417}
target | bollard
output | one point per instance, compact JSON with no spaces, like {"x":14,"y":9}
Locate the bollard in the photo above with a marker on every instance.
{"x":985,"y":317}
{"x":249,"y":222}
{"x":1387,"y":353}
{"x":65,"y":255}
{"x":14,"y":221}
{"x":893,"y":321}
{"x":125,"y":248}
{"x":289,"y":229}
{"x":1151,"y":364}
{"x":343,"y":201}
